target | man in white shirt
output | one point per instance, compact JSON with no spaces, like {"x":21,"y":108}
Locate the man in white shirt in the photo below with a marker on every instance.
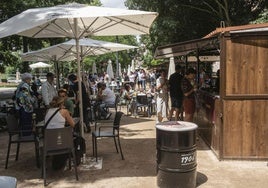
{"x":107,"y":96}
{"x":48,"y":89}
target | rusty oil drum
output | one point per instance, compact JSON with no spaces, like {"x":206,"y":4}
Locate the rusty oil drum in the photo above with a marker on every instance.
{"x":176,"y":154}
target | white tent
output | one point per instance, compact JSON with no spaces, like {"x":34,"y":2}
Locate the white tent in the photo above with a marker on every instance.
{"x":39,"y":65}
{"x":77,"y":21}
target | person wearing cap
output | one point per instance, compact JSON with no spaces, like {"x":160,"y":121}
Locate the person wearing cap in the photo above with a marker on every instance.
{"x":25,"y":102}
{"x":48,"y":89}
{"x":69,"y":105}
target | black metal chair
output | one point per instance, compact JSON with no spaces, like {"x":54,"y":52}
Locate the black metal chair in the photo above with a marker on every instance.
{"x":56,"y":142}
{"x":143,"y":101}
{"x":40,"y":114}
{"x":16,"y":136}
{"x":109,"y":130}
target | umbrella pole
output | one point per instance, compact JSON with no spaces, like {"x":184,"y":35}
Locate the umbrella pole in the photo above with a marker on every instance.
{"x":79,"y":79}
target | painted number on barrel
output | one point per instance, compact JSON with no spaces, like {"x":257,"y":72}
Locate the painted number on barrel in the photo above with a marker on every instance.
{"x":187,"y":158}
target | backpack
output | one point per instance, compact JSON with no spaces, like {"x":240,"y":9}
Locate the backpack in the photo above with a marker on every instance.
{"x":80,"y":148}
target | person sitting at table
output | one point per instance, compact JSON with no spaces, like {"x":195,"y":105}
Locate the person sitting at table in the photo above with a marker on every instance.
{"x":69,"y":105}
{"x":61,"y":118}
{"x":107,"y":97}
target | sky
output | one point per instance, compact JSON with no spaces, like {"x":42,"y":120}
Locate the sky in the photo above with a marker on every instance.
{"x":113,"y":3}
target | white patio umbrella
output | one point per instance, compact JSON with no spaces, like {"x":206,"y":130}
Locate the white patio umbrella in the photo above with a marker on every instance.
{"x":109,"y":69}
{"x":66,"y":51}
{"x":171,"y":67}
{"x":119,"y":70}
{"x":94,"y":68}
{"x":77,"y":21}
{"x":39,"y":65}
{"x":132,"y":68}
{"x":128,"y":70}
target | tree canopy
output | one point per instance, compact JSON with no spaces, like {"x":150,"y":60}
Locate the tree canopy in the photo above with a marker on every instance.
{"x":177,"y":21}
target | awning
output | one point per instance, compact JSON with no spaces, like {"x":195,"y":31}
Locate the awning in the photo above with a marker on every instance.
{"x":185,"y":48}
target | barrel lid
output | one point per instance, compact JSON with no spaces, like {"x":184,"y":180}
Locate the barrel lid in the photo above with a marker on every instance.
{"x":176,"y":126}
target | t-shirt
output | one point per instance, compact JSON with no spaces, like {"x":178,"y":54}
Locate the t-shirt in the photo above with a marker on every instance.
{"x":175,"y":85}
{"x":108,"y":96}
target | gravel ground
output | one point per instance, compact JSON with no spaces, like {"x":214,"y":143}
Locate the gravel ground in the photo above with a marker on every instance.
{"x":139,"y":167}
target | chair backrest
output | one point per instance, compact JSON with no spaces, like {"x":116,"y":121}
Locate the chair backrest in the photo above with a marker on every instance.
{"x":142,"y":99}
{"x":117,"y":119}
{"x":12,"y":123}
{"x":40,"y":114}
{"x":117,"y":99}
{"x":58,"y":139}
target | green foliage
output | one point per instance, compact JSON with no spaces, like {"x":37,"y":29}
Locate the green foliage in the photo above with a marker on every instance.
{"x":191,"y":19}
{"x":263,"y":17}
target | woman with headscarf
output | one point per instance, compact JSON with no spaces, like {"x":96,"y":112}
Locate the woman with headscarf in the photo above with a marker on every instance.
{"x":25,"y":103}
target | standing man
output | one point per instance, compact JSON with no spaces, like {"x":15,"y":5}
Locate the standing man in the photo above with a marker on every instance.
{"x":48,"y":89}
{"x":85,"y":99}
{"x":176,"y":94}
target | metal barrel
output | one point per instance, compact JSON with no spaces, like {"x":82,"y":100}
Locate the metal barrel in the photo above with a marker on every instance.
{"x":176,"y":154}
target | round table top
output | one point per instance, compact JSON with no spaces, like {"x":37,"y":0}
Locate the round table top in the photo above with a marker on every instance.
{"x":176,"y":126}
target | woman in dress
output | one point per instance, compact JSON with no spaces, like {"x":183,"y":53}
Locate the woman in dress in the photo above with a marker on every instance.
{"x":162,"y":96}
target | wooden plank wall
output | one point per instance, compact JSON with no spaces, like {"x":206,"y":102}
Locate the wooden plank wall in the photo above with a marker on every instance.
{"x":245,"y":129}
{"x":247,"y":66}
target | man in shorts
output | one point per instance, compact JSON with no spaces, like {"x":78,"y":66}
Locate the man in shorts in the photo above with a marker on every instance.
{"x":176,"y":94}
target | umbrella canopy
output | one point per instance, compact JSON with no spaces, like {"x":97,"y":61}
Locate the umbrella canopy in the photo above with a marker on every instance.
{"x":66,"y":51}
{"x":77,"y":21}
{"x":109,"y":70}
{"x":94,"y":68}
{"x":39,"y":65}
{"x":171,"y":67}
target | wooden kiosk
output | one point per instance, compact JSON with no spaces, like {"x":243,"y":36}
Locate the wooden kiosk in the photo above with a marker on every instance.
{"x":234,"y":121}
